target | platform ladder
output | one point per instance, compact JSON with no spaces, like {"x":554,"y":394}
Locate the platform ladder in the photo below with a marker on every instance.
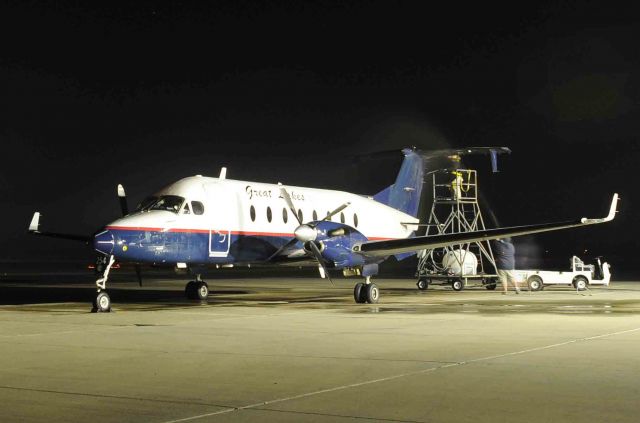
{"x":455,"y":209}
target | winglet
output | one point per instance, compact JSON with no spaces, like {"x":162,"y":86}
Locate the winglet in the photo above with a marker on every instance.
{"x":35,"y":222}
{"x":121,"y":192}
{"x":612,"y":213}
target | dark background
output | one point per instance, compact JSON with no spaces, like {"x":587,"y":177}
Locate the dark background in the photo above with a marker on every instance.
{"x":143,"y":94}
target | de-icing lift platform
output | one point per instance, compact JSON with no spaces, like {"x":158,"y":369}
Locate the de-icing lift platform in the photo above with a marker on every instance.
{"x":455,"y":209}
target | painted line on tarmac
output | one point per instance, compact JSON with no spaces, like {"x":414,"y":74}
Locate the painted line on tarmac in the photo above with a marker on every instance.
{"x":394,"y":377}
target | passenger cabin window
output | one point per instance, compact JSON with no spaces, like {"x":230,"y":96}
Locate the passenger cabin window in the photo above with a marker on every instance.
{"x":285,"y":215}
{"x":252,"y":213}
{"x":197,"y":207}
{"x":269,"y":216}
{"x":315,"y":215}
{"x":171,"y":203}
{"x":355,"y":220}
{"x":341,"y":217}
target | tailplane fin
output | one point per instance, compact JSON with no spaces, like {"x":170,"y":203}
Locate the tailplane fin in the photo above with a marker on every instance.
{"x":404,"y":195}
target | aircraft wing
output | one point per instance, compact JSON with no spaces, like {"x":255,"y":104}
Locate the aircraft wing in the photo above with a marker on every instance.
{"x":34,"y":228}
{"x":406,"y":245}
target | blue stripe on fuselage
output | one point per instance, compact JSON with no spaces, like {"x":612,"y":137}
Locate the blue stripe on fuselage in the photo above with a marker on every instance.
{"x":139,"y":245}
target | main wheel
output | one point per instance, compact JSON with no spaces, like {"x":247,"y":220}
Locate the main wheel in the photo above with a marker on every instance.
{"x":580,"y":283}
{"x":102,"y":303}
{"x":202,"y":290}
{"x":372,"y":293}
{"x":535,"y":283}
{"x":190,"y":290}
{"x":423,"y":283}
{"x":457,"y":285}
{"x":358,"y":293}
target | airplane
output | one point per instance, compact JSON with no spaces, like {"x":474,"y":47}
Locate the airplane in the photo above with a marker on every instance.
{"x":199,"y":223}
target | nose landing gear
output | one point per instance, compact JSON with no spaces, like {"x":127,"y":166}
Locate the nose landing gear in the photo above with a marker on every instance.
{"x":102,"y":302}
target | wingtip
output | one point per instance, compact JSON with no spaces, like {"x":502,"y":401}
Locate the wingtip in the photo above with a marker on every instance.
{"x":121,"y":192}
{"x":35,"y":222}
{"x":614,"y":207}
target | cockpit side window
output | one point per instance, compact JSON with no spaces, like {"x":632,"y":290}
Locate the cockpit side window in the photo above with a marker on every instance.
{"x":197,"y":207}
{"x":170,"y":203}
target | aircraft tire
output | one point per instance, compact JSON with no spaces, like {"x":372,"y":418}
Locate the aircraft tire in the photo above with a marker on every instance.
{"x":201,"y":291}
{"x":190,"y":290}
{"x":372,"y":293}
{"x":358,"y":293}
{"x":102,"y":303}
{"x":423,"y":284}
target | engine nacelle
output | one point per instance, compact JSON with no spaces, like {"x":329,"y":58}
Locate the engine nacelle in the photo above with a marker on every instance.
{"x":337,"y":241}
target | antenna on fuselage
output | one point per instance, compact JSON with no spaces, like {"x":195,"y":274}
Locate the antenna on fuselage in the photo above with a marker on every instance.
{"x":223,"y":173}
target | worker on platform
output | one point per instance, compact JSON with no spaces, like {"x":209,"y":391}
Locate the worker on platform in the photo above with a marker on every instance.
{"x":456,"y":184}
{"x":504,"y":254}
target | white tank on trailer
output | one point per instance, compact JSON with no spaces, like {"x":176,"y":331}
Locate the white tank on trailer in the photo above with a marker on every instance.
{"x":460,"y":262}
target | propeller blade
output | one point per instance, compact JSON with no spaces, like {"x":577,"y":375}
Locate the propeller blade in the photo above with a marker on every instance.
{"x":287,"y":198}
{"x":283,"y":248}
{"x":123,"y":200}
{"x":314,"y":249}
{"x":336,"y":211}
{"x":138,"y":274}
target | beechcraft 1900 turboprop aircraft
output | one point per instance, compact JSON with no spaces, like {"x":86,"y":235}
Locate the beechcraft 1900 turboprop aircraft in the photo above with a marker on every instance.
{"x":199,"y":222}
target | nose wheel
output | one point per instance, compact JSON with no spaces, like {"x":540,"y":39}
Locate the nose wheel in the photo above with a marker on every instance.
{"x":102,"y":303}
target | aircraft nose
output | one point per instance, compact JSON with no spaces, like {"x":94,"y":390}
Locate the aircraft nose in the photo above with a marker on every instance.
{"x":103,"y":242}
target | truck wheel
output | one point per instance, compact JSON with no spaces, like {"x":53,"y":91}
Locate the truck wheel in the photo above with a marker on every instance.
{"x":535,"y":283}
{"x":457,"y":285}
{"x":423,"y":283}
{"x":580,"y":283}
{"x":490,"y":284}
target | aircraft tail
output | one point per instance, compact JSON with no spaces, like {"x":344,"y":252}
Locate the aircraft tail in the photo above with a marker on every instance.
{"x":404,"y":195}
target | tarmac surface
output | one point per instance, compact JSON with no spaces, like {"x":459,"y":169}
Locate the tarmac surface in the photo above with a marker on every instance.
{"x":299,"y":350}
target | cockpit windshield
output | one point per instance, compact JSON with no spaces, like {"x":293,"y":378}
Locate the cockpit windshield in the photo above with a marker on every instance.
{"x":144,"y":205}
{"x":171,"y":203}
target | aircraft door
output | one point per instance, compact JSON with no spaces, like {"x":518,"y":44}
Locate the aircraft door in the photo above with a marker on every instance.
{"x":220,"y":220}
{"x":219,"y":243}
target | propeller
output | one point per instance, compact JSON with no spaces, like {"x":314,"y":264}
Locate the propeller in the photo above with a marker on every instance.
{"x":122,"y":196}
{"x":307,"y":233}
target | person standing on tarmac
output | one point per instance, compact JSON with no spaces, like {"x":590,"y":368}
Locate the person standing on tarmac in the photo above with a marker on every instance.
{"x":504,"y":254}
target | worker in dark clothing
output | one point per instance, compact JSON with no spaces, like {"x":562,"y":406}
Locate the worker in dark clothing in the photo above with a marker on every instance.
{"x":504,"y":253}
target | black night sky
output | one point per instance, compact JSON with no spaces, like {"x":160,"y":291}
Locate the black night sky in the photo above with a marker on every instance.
{"x":144,"y":94}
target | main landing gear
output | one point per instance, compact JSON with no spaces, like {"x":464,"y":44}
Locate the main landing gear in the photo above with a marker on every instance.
{"x":197,"y":290}
{"x":367,"y":292}
{"x":102,"y":302}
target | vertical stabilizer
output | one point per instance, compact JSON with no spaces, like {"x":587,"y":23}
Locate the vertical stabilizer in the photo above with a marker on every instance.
{"x":404,"y":195}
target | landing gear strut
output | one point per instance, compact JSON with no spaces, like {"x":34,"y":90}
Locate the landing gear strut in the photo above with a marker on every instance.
{"x":102,"y":302}
{"x":367,"y":292}
{"x":197,"y":290}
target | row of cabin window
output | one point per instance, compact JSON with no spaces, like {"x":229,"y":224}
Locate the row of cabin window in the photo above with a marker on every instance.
{"x":285,"y":216}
